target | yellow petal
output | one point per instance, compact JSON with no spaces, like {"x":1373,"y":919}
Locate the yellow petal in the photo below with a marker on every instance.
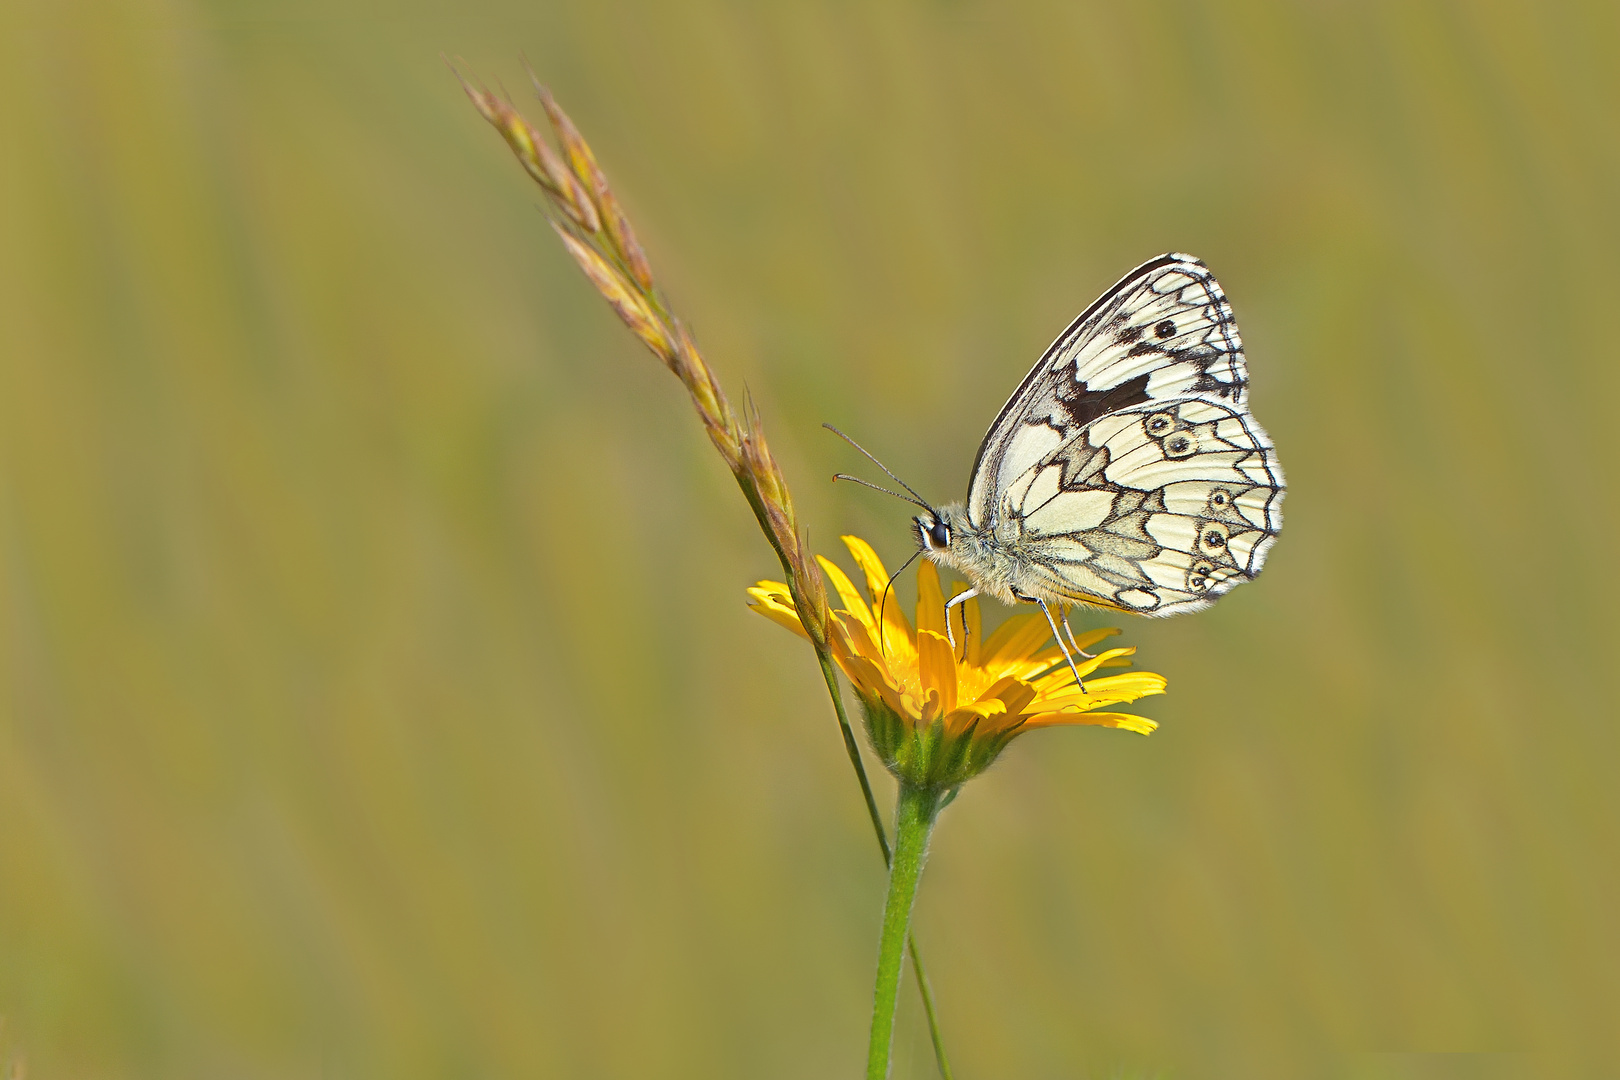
{"x":847,"y":592}
{"x":776,"y":606}
{"x":895,"y":624}
{"x":930,"y":602}
{"x":859,"y":640}
{"x":772,"y":588}
{"x":1016,"y":639}
{"x":1050,"y":659}
{"x":936,"y":668}
{"x":870,"y":680}
{"x":862,"y":633}
{"x":1062,"y":675}
{"x":877,"y":576}
{"x":1106,"y":691}
{"x":987,"y":718}
{"x":1139,"y":724}
{"x":1136,"y":683}
{"x":1014,"y":694}
{"x":983,"y":709}
{"x":847,"y":642}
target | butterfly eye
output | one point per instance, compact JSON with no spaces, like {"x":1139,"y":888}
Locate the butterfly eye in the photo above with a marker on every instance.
{"x":1159,"y":423}
{"x":1213,"y":538}
{"x":1180,"y":445}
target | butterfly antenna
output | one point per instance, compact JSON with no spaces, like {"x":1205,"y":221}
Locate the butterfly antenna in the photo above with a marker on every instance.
{"x":915,"y":498}
{"x":886,"y":491}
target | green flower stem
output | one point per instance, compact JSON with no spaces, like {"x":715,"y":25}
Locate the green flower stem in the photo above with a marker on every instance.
{"x":924,"y":989}
{"x":914,"y":820}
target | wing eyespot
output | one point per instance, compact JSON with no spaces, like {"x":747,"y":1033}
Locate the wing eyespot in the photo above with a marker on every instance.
{"x":1165,"y":329}
{"x":1180,"y":445}
{"x":1159,"y":424}
{"x":1198,"y":576}
{"x":1212,"y":538}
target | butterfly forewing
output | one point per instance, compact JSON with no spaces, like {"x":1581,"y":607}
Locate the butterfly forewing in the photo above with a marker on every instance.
{"x":1164,"y":331}
{"x":1127,"y":469}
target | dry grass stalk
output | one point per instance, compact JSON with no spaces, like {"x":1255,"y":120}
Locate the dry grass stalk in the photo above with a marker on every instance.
{"x":598,"y":235}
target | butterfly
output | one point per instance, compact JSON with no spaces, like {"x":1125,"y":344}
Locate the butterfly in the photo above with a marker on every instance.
{"x":1126,"y":472}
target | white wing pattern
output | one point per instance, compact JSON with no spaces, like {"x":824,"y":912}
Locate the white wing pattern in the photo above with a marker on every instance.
{"x":1126,"y":470}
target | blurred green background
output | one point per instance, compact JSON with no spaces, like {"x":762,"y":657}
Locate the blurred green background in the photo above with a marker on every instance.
{"x":379,"y":698}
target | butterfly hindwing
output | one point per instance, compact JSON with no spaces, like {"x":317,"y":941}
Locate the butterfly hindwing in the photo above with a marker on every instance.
{"x":1157,"y":508}
{"x":1164,"y":331}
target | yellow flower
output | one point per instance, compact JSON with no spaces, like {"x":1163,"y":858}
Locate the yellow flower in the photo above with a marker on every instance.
{"x":937,"y":715}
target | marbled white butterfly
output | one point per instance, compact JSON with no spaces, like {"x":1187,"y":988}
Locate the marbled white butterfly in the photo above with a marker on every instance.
{"x":1126,"y":471}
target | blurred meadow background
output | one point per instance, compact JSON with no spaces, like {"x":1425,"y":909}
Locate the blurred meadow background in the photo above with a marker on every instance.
{"x":377,"y":694}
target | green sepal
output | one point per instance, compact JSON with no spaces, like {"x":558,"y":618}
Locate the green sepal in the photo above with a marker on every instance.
{"x":928,"y":757}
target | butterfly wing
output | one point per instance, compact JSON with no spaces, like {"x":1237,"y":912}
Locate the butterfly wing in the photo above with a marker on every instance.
{"x":1158,"y":508}
{"x":1164,"y":331}
{"x":1127,"y":470}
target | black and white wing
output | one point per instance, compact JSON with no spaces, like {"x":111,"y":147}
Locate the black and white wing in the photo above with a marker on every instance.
{"x":1164,"y":331}
{"x":1127,"y":469}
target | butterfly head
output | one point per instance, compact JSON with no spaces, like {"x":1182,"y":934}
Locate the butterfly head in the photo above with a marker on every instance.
{"x":951,"y":541}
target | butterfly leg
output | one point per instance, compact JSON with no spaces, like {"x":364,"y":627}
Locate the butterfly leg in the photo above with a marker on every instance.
{"x":1065,"y":621}
{"x":952,"y":602}
{"x":1058,"y":637}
